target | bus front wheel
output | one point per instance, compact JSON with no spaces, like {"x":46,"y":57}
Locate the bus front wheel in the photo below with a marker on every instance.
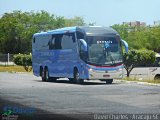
{"x":71,"y":80}
{"x":109,"y":81}
{"x":77,"y":78}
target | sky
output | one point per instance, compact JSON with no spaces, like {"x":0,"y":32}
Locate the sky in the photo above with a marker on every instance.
{"x":101,"y":12}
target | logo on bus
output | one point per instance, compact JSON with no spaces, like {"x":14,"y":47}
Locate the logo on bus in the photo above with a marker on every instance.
{"x":101,"y":42}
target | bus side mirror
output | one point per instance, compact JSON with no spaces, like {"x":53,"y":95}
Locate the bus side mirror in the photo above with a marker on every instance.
{"x":83,"y":45}
{"x":125,"y":45}
{"x":83,"y":49}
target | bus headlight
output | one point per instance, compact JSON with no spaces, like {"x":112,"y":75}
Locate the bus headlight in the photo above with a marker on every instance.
{"x":120,"y":69}
{"x":90,"y":69}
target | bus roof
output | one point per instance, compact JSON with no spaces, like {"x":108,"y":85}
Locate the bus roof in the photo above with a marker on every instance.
{"x":98,"y":30}
{"x":89,"y":30}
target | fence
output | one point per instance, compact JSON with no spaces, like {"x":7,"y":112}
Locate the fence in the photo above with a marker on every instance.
{"x":6,"y":59}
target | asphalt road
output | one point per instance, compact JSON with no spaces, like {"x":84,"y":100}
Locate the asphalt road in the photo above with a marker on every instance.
{"x":59,"y":100}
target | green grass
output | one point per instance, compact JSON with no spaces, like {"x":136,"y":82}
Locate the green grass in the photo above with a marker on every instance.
{"x":12,"y":68}
{"x":136,"y":80}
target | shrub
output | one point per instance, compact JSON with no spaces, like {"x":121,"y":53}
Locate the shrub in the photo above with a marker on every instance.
{"x":136,"y":58}
{"x":23,"y":60}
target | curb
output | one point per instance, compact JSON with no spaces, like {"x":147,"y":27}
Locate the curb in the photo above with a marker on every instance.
{"x":140,"y":83}
{"x":17,"y":72}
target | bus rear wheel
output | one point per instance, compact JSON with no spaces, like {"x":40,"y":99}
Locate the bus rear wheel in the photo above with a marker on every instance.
{"x":46,"y":75}
{"x":42,"y":74}
{"x":77,"y":79}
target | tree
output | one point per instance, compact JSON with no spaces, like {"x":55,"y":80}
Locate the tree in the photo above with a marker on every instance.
{"x":122,"y":30}
{"x":138,"y":57}
{"x":17,"y":28}
{"x":154,"y":39}
{"x":139,"y":37}
{"x":76,"y":21}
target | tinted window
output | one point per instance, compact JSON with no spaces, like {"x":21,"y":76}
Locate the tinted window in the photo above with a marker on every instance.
{"x":51,"y":43}
{"x":80,"y":35}
{"x":62,"y":41}
{"x":55,"y":42}
{"x":41,"y":42}
{"x":58,"y":39}
{"x":68,"y":41}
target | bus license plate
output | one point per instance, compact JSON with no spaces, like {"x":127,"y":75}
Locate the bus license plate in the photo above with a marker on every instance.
{"x":106,"y":76}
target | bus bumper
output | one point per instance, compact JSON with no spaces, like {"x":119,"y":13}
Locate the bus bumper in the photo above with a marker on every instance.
{"x":99,"y":74}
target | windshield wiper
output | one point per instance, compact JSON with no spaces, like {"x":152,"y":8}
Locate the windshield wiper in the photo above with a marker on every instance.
{"x":113,"y":61}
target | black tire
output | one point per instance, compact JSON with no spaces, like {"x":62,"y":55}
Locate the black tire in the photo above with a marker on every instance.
{"x":76,"y":79}
{"x":157,"y":77}
{"x":46,"y":75}
{"x":71,"y":80}
{"x":109,"y":81}
{"x":42,"y":74}
{"x":54,"y":79}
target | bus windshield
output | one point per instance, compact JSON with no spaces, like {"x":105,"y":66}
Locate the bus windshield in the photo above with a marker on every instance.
{"x":104,"y":50}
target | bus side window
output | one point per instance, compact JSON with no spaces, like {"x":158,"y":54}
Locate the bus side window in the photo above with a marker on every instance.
{"x":73,"y":37}
{"x":80,"y":35}
{"x":51,"y":43}
{"x":58,"y":40}
{"x":55,"y":42}
{"x":68,"y":41}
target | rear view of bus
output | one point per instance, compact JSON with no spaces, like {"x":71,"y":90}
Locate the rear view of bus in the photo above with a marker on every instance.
{"x":93,"y":53}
